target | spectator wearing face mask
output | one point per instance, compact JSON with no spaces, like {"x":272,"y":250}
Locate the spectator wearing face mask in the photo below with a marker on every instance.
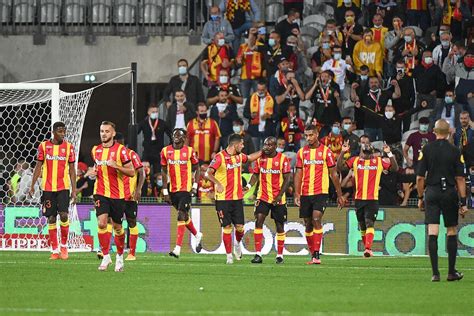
{"x":154,"y":130}
{"x":334,"y":139}
{"x":410,"y":50}
{"x":217,"y":56}
{"x":180,"y":112}
{"x":287,"y":26}
{"x":441,"y":51}
{"x":338,"y":66}
{"x":367,"y":52}
{"x":359,"y":87}
{"x":238,"y":128}
{"x":455,"y":55}
{"x":261,"y":111}
{"x":190,"y":84}
{"x":435,"y":39}
{"x":448,"y":109}
{"x":223,"y":84}
{"x":464,"y":133}
{"x":224,"y":113}
{"x":351,"y":33}
{"x":417,"y":140}
{"x":332,"y":32}
{"x":319,"y":57}
{"x":291,"y":129}
{"x":393,"y":37}
{"x":455,"y":13}
{"x":274,"y":52}
{"x":286,"y":90}
{"x":217,"y":24}
{"x":430,"y":80}
{"x":347,"y":128}
{"x":297,"y":57}
{"x":462,"y":74}
{"x":343,"y":8}
{"x":387,"y":10}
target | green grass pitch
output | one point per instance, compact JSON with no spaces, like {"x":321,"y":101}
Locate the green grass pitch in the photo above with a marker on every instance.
{"x":155,"y":284}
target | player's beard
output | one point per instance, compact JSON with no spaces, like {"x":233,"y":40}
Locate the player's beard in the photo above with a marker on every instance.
{"x":106,"y":141}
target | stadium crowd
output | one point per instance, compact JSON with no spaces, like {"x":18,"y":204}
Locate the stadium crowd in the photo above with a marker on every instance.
{"x":384,"y":72}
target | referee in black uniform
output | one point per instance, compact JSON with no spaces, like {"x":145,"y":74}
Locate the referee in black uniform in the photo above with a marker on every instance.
{"x":442,"y":165}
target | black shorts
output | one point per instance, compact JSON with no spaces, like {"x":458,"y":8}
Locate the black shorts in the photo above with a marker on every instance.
{"x":114,"y":208}
{"x":181,"y":200}
{"x":279,"y":212}
{"x":310,"y":203}
{"x":366,"y":210}
{"x":131,"y":209}
{"x":54,"y":202}
{"x":439,"y":203}
{"x":230,"y":212}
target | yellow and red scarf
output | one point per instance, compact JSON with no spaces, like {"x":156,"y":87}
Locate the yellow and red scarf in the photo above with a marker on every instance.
{"x":234,"y":5}
{"x":255,"y":107}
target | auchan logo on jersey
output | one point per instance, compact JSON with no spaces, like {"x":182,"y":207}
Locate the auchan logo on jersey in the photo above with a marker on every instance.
{"x":233,"y":165}
{"x":269,"y":171}
{"x":360,"y":167}
{"x":177,"y":162}
{"x":313,"y":162}
{"x":101,"y":162}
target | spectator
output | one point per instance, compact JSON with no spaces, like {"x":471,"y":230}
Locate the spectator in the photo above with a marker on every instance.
{"x":22,"y":193}
{"x":223,"y":84}
{"x":326,"y":97}
{"x":240,"y":14}
{"x":417,"y":140}
{"x":334,"y":139}
{"x":224,"y":113}
{"x":289,"y":26}
{"x":238,"y":128}
{"x":297,"y":5}
{"x":180,"y":112}
{"x":454,"y":56}
{"x":464,"y":133}
{"x":358,"y":89}
{"x":348,"y":126}
{"x":386,"y":8}
{"x":250,"y":59}
{"x":281,"y":144}
{"x":379,"y":31}
{"x":205,"y":187}
{"x":455,"y":14}
{"x":436,"y":37}
{"x":217,"y":56}
{"x":319,"y":57}
{"x":407,"y":99}
{"x":369,"y":53}
{"x":441,"y":51}
{"x":203,"y":135}
{"x":297,"y":57}
{"x":418,"y":14}
{"x":463,"y":75}
{"x":149,"y":186}
{"x":331,"y":31}
{"x":261,"y":111}
{"x":391,"y":184}
{"x":375,"y":100}
{"x":154,"y":130}
{"x":338,"y":66}
{"x":340,"y":13}
{"x":285,"y":90}
{"x":351,"y":33}
{"x":190,"y":84}
{"x":410,"y":50}
{"x":85,"y":185}
{"x":430,"y":80}
{"x":215,"y":25}
{"x":292,"y":129}
{"x":449,"y":110}
{"x":393,"y":38}
{"x":274,"y":53}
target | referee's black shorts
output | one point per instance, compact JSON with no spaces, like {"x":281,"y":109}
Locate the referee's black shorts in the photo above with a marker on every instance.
{"x":438,"y":202}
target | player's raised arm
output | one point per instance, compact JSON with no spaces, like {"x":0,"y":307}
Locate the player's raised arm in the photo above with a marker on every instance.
{"x":254,"y":156}
{"x":341,"y":166}
{"x":393,"y":161}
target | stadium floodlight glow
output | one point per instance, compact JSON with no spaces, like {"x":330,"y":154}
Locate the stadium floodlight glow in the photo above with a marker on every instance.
{"x":89,"y":78}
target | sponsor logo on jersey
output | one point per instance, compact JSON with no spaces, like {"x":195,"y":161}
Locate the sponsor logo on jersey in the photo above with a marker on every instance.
{"x":313,"y":162}
{"x":360,"y":167}
{"x":50,"y":157}
{"x":233,"y":166}
{"x":101,"y":162}
{"x":177,"y":162}
{"x":269,"y":171}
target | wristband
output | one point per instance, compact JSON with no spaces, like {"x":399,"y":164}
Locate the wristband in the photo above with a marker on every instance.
{"x":195,"y":185}
{"x":462,"y":201}
{"x":248,"y":186}
{"x":165,"y":191}
{"x":389,"y":154}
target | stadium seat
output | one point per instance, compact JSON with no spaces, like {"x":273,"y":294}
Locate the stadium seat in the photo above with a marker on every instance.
{"x":414,"y":125}
{"x":418,"y":31}
{"x":74,"y":12}
{"x":423,"y":113}
{"x":325,"y":10}
{"x":313,"y":49}
{"x":175,"y":11}
{"x":316,"y":21}
{"x":50,"y":12}
{"x":151,"y":12}
{"x":406,"y":134}
{"x":273,"y":10}
{"x":101,"y":11}
{"x":358,"y":132}
{"x":281,"y":18}
{"x":124,"y":13}
{"x":378,"y":144}
{"x":5,"y":9}
{"x":24,"y":12}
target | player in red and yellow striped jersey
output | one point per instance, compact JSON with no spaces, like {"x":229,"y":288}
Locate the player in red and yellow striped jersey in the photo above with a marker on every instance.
{"x":133,"y":189}
{"x":273,"y":171}
{"x":55,"y":163}
{"x":225,"y":171}
{"x":112,"y":163}
{"x":367,"y":170}
{"x":315,"y":164}
{"x":203,"y":134}
{"x":178,"y":163}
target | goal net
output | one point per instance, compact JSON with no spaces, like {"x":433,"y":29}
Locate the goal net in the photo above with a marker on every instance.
{"x":28,"y":111}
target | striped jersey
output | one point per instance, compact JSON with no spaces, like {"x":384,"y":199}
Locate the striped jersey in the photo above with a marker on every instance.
{"x":179,"y":163}
{"x":315,"y":164}
{"x":110,"y":181}
{"x":130,"y":183}
{"x":55,"y":169}
{"x":203,"y":136}
{"x":228,"y":171}
{"x":367,"y":174}
{"x":270,"y":173}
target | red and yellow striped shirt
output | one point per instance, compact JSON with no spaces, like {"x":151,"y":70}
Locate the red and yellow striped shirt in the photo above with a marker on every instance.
{"x":55,"y":170}
{"x":418,"y":5}
{"x":315,"y":163}
{"x":179,"y":163}
{"x":229,"y":173}
{"x":252,"y":61}
{"x":109,"y":182}
{"x":203,"y":136}
{"x":271,"y":171}
{"x":130,"y":183}
{"x":367,"y":173}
